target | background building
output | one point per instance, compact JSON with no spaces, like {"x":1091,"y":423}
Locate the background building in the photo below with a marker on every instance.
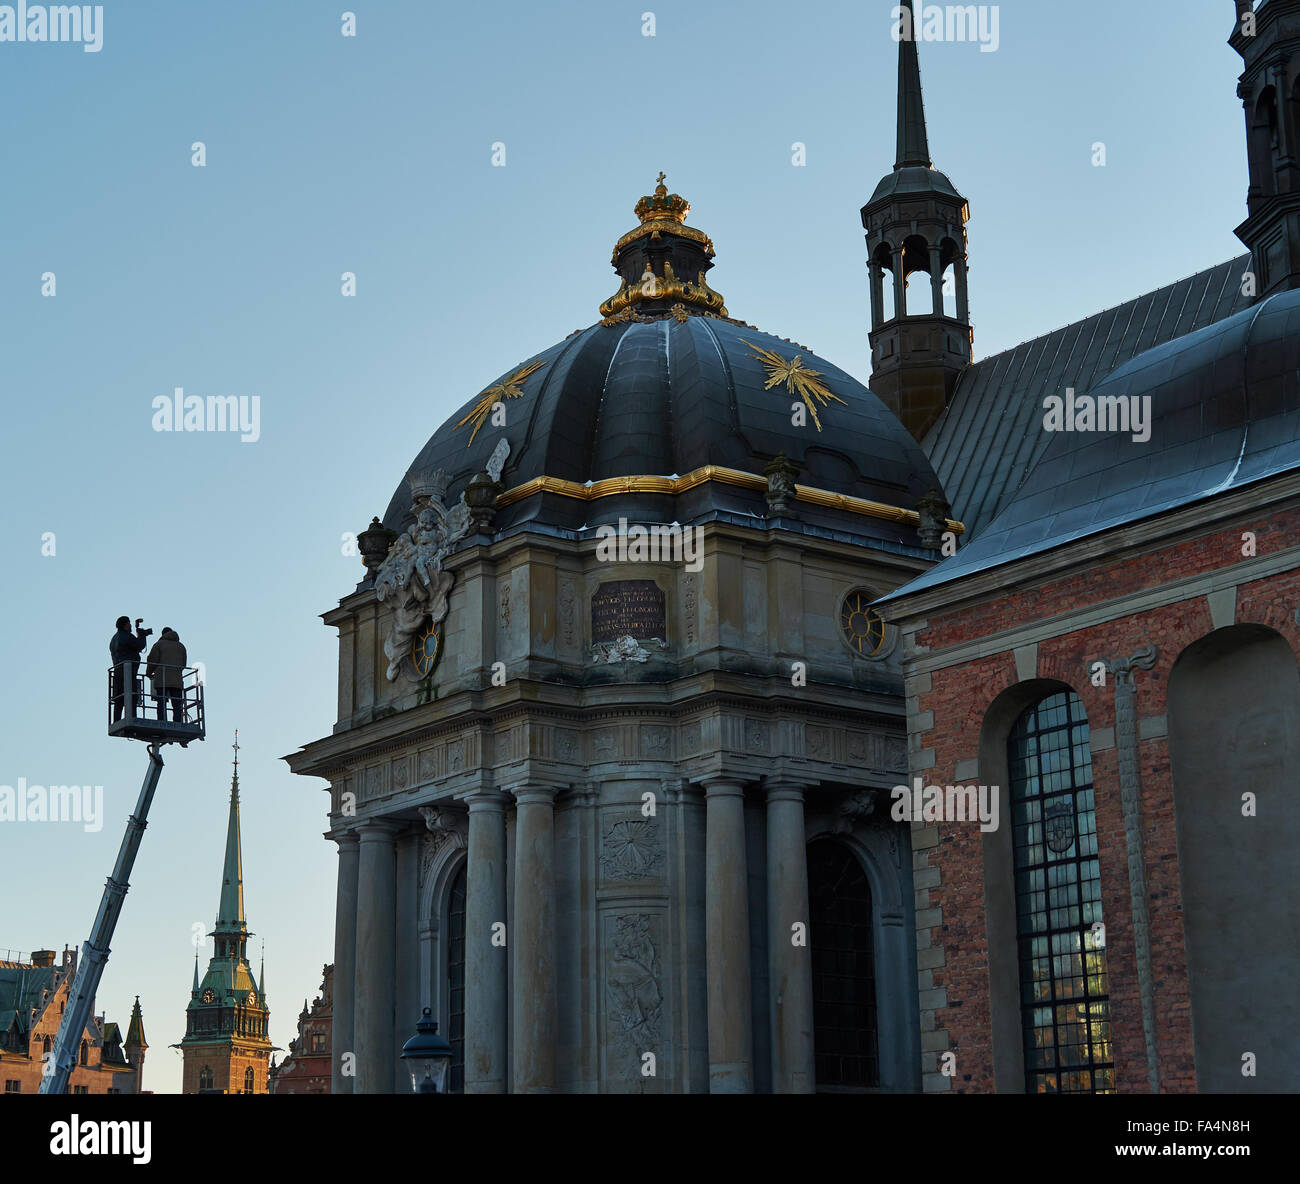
{"x":33,"y":996}
{"x":306,"y":1070}
{"x":226,"y":1048}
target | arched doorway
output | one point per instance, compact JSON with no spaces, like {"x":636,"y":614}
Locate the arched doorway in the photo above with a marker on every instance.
{"x":456,"y":980}
{"x":845,"y":1043}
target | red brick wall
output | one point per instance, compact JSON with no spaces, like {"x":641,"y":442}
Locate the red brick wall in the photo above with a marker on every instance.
{"x":960,"y":697}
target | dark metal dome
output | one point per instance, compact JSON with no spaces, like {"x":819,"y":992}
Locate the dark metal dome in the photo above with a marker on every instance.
{"x":668,"y":384}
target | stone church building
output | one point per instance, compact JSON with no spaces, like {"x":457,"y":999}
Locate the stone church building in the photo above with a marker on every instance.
{"x":619,"y":718}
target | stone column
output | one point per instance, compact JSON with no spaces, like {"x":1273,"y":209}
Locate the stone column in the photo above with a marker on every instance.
{"x":726,"y":920}
{"x":900,"y":286}
{"x":789,"y":952}
{"x":406,"y":945}
{"x":936,"y":280}
{"x":959,"y":275}
{"x":376,"y":963}
{"x":877,"y":294}
{"x":345,"y":961}
{"x":535,"y":1006}
{"x":486,"y":962}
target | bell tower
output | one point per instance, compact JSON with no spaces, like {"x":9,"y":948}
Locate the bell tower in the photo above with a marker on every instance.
{"x":227,"y":1045}
{"x":1268,"y":39}
{"x":916,"y":223}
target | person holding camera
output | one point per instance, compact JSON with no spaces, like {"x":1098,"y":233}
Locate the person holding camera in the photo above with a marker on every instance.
{"x":167,"y":661}
{"x":125,"y":649}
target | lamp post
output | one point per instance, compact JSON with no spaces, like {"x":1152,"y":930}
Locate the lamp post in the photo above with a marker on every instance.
{"x":429,"y":1049}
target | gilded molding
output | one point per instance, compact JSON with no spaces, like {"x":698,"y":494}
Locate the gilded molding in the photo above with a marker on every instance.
{"x":613,"y":486}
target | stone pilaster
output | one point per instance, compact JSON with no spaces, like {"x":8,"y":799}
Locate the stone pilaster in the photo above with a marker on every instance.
{"x":406,"y":931}
{"x":789,"y":954}
{"x":345,"y":961}
{"x":533,"y":939}
{"x":376,"y":959}
{"x":726,"y":913}
{"x":486,"y":950}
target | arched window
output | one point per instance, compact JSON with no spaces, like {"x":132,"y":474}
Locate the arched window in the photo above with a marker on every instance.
{"x":456,"y":981}
{"x":85,"y":1053}
{"x":205,"y":1078}
{"x":45,"y":1045}
{"x":1064,"y":988}
{"x":844,"y":987}
{"x":248,"y":1080}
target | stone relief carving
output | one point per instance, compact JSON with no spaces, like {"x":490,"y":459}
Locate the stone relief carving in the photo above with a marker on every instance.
{"x":656,"y":741}
{"x":568,"y":614}
{"x":853,"y":810}
{"x":817,"y":742}
{"x":690,"y":608}
{"x":505,"y":606}
{"x":631,"y":849}
{"x":690,"y":735}
{"x":756,"y":735}
{"x":441,"y":826}
{"x":411,"y":577}
{"x":606,"y":745}
{"x":455,"y":756}
{"x":566,"y":745}
{"x":401,"y":772}
{"x":624,"y":649}
{"x":428,"y":764}
{"x":633,"y":993}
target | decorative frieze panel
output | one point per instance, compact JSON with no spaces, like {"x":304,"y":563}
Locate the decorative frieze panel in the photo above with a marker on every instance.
{"x":631,"y":849}
{"x":633,"y":999}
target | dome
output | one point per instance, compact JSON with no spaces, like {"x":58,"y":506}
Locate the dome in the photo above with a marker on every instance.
{"x":664,"y":385}
{"x":911,"y":180}
{"x":1224,"y":413}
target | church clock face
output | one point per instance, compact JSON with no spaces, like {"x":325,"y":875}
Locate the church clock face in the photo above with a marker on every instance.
{"x":208,"y":996}
{"x":862,"y":628}
{"x":426,"y":649}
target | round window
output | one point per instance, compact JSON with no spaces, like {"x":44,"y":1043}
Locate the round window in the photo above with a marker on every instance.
{"x":863,"y":628}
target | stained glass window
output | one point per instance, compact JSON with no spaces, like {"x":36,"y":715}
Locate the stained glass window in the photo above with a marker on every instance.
{"x":1064,"y":986}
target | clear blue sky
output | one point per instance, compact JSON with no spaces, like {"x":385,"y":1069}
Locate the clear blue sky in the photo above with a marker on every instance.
{"x":373,"y":155}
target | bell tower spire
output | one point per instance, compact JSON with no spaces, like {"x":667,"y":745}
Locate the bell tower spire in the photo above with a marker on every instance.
{"x":916,"y":222}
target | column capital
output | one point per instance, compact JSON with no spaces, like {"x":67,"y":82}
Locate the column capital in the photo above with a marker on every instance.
{"x":785,"y":789}
{"x":376,"y":829}
{"x":345,"y":838}
{"x":525,"y":794}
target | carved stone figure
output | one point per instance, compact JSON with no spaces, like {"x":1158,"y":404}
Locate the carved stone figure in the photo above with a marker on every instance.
{"x":412,"y":575}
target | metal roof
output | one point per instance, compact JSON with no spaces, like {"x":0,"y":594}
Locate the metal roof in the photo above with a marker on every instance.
{"x":989,"y":439}
{"x":1225,"y":412}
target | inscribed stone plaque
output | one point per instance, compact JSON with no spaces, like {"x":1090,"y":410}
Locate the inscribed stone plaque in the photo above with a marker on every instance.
{"x":628,"y":608}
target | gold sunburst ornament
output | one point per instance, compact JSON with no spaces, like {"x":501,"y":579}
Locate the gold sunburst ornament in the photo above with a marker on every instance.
{"x":511,"y":388}
{"x":798,"y":379}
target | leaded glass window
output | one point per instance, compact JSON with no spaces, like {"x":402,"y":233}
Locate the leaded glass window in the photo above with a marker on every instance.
{"x":1064,"y":987}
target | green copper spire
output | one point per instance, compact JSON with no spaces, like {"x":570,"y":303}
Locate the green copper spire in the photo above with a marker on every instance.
{"x":230,"y":914}
{"x":195,"y":988}
{"x":135,"y":1032}
{"x":913,"y":145}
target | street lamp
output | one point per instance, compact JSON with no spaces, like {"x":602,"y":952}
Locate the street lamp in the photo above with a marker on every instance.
{"x":428,"y":1048}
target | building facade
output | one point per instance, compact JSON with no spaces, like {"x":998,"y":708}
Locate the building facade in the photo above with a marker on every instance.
{"x":306,"y":1070}
{"x":227,"y":1047}
{"x":1112,"y":656}
{"x":659,"y":621}
{"x":33,"y":996}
